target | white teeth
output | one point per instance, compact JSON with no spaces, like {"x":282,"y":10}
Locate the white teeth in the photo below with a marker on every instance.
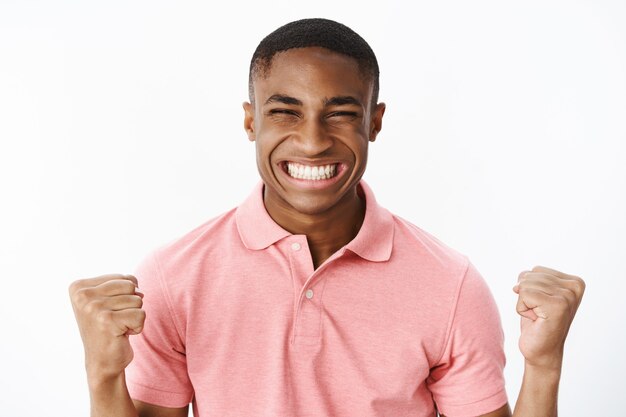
{"x":307,"y":172}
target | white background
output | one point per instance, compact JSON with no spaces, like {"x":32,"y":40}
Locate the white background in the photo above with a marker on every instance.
{"x":121,"y":129}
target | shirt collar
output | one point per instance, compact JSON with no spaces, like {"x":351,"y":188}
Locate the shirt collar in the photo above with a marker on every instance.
{"x":373,"y":242}
{"x":256,"y":228}
{"x":375,"y":238}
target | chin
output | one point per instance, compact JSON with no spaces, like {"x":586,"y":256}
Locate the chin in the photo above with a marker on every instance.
{"x":310,"y":206}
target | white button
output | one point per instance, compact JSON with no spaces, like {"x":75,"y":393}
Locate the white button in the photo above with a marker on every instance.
{"x":309,"y":294}
{"x":295,"y":246}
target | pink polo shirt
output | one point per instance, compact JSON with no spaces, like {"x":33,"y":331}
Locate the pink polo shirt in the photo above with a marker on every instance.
{"x":238,"y":323}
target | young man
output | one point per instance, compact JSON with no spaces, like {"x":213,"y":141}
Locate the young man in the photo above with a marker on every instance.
{"x":310,"y":299}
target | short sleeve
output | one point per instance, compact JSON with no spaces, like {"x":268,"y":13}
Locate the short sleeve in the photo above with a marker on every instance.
{"x":158,"y":371}
{"x":468,"y":379}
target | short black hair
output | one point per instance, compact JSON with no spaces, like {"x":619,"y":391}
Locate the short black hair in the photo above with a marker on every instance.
{"x":318,"y":32}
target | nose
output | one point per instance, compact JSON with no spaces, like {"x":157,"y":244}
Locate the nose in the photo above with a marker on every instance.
{"x":312,"y":138}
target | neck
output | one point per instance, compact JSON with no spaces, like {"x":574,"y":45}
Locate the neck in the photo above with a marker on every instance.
{"x":326,"y":232}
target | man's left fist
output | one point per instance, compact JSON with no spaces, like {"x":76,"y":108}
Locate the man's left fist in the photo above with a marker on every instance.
{"x":548,"y":300}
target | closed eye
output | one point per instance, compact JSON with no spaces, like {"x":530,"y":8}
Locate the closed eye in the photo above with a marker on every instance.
{"x":282,"y":112}
{"x":350,"y":114}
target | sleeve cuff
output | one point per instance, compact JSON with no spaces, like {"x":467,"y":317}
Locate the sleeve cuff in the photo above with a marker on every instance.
{"x":474,"y":409}
{"x":158,"y":397}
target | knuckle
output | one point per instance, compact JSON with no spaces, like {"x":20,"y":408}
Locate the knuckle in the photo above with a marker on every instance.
{"x":75,"y":286}
{"x":578,"y":287}
{"x":141,"y":315}
{"x":104,"y":318}
{"x":138,"y":301}
{"x":130,"y":286}
{"x":570,"y":294}
{"x":522,"y":275}
{"x":118,"y":286}
{"x":82,"y":296}
{"x":132,"y":301}
{"x":125,"y":286}
{"x":92,"y":307}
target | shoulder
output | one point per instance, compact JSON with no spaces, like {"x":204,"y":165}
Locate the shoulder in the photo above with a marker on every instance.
{"x":434,"y":272}
{"x":415,"y":245}
{"x":177,"y":262}
{"x":446,"y":269}
{"x":213,"y":234}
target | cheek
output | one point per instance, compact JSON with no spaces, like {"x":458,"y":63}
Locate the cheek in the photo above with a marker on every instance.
{"x":357,"y":142}
{"x":266,"y":145}
{"x":269,"y":139}
{"x":355,"y":133}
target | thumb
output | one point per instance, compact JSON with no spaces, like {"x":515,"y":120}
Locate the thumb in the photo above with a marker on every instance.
{"x":525,"y":310}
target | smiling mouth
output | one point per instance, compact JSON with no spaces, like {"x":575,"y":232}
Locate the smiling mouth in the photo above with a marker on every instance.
{"x":310,"y":172}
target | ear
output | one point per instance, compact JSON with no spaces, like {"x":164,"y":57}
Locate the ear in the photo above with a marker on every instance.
{"x":376,"y":123}
{"x":248,"y":120}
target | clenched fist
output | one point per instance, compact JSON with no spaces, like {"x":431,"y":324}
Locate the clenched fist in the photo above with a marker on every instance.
{"x":108,"y":310}
{"x":548,"y":300}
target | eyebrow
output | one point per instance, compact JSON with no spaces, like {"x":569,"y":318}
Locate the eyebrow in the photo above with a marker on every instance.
{"x":333,"y":101}
{"x":281,"y":98}
{"x":342,"y":100}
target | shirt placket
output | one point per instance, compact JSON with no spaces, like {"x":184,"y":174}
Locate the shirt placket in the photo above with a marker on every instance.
{"x":308,"y":285}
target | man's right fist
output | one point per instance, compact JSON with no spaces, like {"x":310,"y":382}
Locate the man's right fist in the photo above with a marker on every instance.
{"x":107,"y":310}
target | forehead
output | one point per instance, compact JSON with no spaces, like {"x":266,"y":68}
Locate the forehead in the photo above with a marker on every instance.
{"x":313,"y":72}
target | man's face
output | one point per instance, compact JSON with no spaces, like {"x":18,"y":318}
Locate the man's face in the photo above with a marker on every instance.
{"x":311,"y":120}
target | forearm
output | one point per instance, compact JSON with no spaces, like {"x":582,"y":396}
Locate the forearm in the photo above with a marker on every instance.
{"x":538,"y":396}
{"x":110,"y":397}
